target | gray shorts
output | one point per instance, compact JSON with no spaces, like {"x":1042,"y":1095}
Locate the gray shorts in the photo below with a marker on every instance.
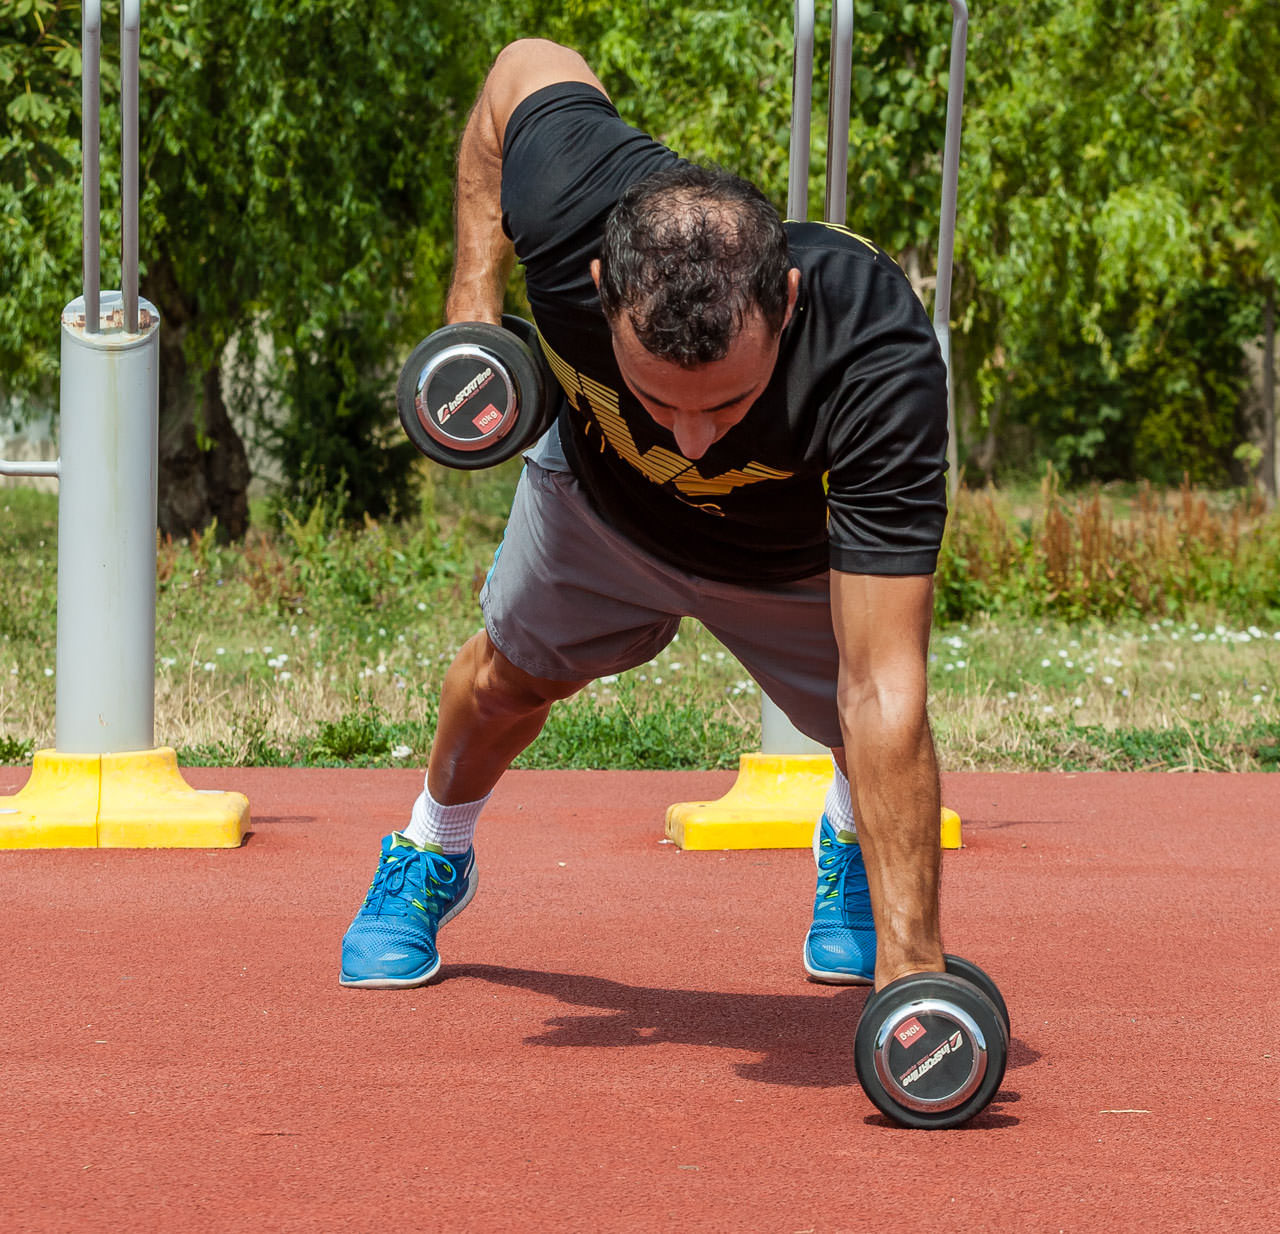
{"x":570,"y":599}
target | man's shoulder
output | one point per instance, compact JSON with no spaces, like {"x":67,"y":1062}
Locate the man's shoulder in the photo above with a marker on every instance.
{"x":576,"y":98}
{"x":841,"y":269}
{"x":817,"y":242}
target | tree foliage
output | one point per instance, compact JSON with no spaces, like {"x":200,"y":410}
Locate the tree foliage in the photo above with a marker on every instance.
{"x":1118,"y":230}
{"x":1106,"y":302}
{"x":39,"y":186}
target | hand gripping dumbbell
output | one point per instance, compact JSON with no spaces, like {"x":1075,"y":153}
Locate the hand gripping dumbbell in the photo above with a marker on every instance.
{"x":472,"y":395}
{"x":930,"y":1049}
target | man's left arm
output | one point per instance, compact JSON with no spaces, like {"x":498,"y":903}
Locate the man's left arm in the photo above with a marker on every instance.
{"x":882,"y":628}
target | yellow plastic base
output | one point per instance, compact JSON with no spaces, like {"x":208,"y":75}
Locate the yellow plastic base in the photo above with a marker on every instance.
{"x":774,"y":803}
{"x":133,"y":800}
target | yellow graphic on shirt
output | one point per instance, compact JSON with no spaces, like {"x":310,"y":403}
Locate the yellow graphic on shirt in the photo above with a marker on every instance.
{"x":658,"y":464}
{"x":846,"y":231}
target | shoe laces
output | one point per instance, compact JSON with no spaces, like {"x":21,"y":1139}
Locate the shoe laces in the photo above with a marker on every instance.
{"x":405,"y":874}
{"x":833,"y":864}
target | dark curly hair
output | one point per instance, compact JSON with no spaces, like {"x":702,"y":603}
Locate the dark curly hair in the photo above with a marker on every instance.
{"x":689,"y":253}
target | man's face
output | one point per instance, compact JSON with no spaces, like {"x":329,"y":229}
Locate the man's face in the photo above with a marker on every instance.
{"x":699,"y":406}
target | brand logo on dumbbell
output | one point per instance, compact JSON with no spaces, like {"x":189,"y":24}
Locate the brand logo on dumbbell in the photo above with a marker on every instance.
{"x":928,"y":1064}
{"x":478,"y":382}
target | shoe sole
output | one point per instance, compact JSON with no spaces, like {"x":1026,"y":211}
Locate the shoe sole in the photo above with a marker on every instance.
{"x":819,"y":978}
{"x":830,"y":977}
{"x":408,"y":983}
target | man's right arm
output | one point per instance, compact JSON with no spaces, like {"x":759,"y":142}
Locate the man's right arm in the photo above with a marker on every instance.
{"x":484,"y":256}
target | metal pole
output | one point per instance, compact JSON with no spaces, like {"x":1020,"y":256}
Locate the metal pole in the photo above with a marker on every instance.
{"x":89,"y":92}
{"x":801,"y":107}
{"x":109,"y":410}
{"x":947,"y":223}
{"x":777,"y":734}
{"x":838,"y":110}
{"x":29,"y":467}
{"x":130,"y":33}
{"x":109,"y":416}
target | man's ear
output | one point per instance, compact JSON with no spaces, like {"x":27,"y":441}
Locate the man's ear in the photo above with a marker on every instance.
{"x":595,"y":272}
{"x":793,"y":292}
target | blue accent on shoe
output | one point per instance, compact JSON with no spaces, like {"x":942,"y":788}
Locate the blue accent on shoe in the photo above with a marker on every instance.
{"x":392,"y":940}
{"x":841,"y":945}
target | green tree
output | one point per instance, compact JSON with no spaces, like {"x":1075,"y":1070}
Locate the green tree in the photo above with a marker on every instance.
{"x":296,"y":189}
{"x":300,"y":159}
{"x":1092,"y":245}
{"x":1234,"y":103}
{"x":716,"y":86}
{"x":39,"y":188}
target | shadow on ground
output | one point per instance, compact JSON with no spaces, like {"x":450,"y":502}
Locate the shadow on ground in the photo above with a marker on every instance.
{"x":803,"y":1040}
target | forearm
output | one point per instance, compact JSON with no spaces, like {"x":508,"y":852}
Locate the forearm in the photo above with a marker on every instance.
{"x":894,"y":775}
{"x":484,"y":256}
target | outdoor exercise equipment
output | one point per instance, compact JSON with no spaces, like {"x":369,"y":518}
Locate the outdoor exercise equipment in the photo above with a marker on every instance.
{"x":780,"y":790}
{"x":104,"y":785}
{"x":473,"y":395}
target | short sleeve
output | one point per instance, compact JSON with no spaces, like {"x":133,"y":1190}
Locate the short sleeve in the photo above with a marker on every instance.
{"x":887,"y":492}
{"x":567,"y":158}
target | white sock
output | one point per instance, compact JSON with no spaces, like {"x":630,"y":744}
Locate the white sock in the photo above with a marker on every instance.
{"x":449,"y":828}
{"x":839,"y":805}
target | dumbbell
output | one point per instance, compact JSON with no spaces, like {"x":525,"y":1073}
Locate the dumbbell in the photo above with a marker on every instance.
{"x":930,"y":1049}
{"x":472,"y":395}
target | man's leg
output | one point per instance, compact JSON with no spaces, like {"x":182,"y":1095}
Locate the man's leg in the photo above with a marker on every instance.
{"x":489,"y":711}
{"x":840,"y":947}
{"x":784,"y":638}
{"x":567,"y":600}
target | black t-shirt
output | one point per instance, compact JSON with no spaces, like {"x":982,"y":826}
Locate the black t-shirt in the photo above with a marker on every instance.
{"x":841,"y":461}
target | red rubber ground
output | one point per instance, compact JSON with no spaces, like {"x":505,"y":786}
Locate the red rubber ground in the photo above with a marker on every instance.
{"x":623,"y":1039}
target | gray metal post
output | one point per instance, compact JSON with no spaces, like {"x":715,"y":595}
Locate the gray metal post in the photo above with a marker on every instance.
{"x":801,"y":109}
{"x":130,"y":35}
{"x":838,"y":110}
{"x":947,"y":222}
{"x":105,"y":685}
{"x":778,"y":734}
{"x":109,"y":413}
{"x":90,"y":73}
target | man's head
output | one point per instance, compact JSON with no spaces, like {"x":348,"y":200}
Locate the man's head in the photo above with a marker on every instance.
{"x":695,"y":281}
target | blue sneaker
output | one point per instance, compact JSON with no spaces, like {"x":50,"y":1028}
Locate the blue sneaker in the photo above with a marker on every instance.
{"x":392,"y":941}
{"x":841,"y":946}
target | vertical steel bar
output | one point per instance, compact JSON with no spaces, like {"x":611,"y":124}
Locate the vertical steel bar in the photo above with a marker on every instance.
{"x":947,"y":220}
{"x":777,"y":734}
{"x":801,"y":106}
{"x":130,"y":33}
{"x":90,"y":75}
{"x":838,"y":110}
{"x":951,"y":160}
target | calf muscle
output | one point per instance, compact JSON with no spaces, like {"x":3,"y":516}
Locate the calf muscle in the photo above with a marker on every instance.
{"x":490,"y":710}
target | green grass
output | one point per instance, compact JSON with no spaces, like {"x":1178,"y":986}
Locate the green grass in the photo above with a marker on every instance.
{"x":314,"y":644}
{"x":1169,"y":695}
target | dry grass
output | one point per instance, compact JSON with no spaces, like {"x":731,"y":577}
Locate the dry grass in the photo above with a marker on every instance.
{"x":1073,"y":641}
{"x":1162,"y":696}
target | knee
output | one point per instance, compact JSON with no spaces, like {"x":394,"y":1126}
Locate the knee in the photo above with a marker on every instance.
{"x":502,"y":689}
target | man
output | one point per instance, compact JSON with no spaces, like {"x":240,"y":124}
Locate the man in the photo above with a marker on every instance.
{"x":754,"y":435}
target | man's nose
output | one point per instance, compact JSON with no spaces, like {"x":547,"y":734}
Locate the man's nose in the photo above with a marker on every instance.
{"x":694,"y":431}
